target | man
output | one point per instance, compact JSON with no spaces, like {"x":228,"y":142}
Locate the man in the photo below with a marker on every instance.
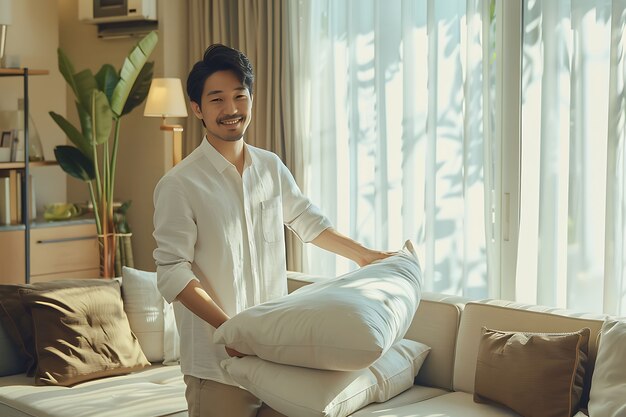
{"x":218,"y":220}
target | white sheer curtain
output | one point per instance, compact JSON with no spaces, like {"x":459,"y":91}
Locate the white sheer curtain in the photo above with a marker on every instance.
{"x":395,"y":133}
{"x":572,"y":251}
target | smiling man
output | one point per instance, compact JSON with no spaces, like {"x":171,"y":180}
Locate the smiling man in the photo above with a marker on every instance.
{"x":218,"y":224}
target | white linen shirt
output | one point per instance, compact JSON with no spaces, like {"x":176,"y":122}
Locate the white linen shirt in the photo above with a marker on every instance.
{"x":226,"y":231}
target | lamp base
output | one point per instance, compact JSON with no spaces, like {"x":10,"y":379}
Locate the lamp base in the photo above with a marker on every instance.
{"x":177,"y":141}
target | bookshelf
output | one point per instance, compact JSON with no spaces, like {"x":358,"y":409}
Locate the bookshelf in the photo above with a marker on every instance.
{"x":23,"y":167}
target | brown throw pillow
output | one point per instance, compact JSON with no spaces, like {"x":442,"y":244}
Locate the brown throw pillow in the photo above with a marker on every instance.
{"x":81,"y":332}
{"x":534,"y":374}
{"x":18,"y":324}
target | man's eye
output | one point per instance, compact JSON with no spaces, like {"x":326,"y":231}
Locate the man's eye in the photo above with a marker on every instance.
{"x":215,"y":100}
{"x":242,"y":96}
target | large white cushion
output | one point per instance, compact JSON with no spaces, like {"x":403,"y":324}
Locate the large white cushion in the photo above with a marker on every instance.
{"x":151,"y":318}
{"x":341,"y":324}
{"x":608,"y":385}
{"x":302,"y":392}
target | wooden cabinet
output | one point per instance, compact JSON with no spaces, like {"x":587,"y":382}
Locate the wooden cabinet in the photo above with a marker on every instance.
{"x":58,"y":251}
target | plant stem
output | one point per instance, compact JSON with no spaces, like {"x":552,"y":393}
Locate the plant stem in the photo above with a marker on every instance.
{"x":94,"y":145}
{"x":95,"y":208}
{"x":114,"y":160}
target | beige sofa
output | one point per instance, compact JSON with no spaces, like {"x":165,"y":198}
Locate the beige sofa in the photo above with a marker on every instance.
{"x":451,"y":326}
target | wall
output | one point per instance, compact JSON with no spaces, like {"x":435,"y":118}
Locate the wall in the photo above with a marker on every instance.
{"x":34,"y":37}
{"x":143,"y":152}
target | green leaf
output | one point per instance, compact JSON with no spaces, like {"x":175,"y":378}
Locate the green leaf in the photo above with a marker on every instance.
{"x":102,"y":117}
{"x":107,"y":79}
{"x":73,"y":162}
{"x":86,"y":83}
{"x":67,"y":70}
{"x":130,"y":71}
{"x":85,"y":126}
{"x":72,"y":133}
{"x":140,"y":89}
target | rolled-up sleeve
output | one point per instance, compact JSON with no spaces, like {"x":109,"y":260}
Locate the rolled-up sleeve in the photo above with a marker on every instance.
{"x":175,"y":232}
{"x":300,"y":215}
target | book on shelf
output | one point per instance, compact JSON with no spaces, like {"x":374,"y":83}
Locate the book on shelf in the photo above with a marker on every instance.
{"x":5,"y":201}
{"x":11,"y":198}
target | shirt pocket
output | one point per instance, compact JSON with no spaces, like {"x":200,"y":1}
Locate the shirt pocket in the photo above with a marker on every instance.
{"x":272,"y":220}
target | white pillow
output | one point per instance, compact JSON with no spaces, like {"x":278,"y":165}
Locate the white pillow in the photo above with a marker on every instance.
{"x":608,"y":384}
{"x":151,"y":318}
{"x":342,"y":324}
{"x":303,"y":392}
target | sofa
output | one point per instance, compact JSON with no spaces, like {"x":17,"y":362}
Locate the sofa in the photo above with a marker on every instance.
{"x":444,"y":386}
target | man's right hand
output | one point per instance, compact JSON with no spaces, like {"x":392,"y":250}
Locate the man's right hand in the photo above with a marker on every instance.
{"x":233,"y":353}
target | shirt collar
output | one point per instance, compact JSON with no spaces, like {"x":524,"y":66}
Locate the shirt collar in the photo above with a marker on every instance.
{"x":217,"y":159}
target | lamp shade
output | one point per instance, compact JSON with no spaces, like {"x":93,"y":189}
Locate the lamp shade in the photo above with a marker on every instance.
{"x":165,"y":99}
{"x":6,"y":18}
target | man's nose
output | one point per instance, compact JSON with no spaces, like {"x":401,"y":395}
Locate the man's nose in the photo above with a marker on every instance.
{"x":230,"y":107}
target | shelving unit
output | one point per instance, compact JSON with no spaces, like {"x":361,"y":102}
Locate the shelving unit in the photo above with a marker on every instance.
{"x":24,"y":166}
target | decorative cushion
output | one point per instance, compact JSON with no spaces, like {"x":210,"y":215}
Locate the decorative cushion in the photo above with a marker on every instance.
{"x":342,"y":324}
{"x":532,"y":373}
{"x":608,"y":383}
{"x":303,"y":392}
{"x":18,"y":323}
{"x":81,"y":332}
{"x":150,"y":317}
{"x":11,"y":362}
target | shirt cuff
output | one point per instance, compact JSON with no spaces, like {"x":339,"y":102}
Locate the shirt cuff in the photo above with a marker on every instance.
{"x":309,"y":224}
{"x":172,"y":279}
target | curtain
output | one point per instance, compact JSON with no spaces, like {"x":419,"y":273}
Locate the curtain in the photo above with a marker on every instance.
{"x":260,"y":29}
{"x":398,"y":131}
{"x":573,"y":178}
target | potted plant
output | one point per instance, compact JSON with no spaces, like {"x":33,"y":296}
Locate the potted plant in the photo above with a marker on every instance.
{"x":101,"y":101}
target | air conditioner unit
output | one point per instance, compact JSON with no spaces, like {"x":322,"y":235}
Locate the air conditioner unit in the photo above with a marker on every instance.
{"x":112,"y":11}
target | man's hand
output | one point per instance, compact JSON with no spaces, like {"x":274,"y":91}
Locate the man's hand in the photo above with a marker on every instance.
{"x":233,"y":353}
{"x":374,"y":255}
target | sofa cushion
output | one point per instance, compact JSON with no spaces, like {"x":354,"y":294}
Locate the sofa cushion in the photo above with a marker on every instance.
{"x":81,"y":332}
{"x":532,"y":372}
{"x":454,"y":404}
{"x":341,"y":324}
{"x":609,"y":379}
{"x":303,"y":392}
{"x":413,"y":395}
{"x":151,"y":318}
{"x":154,"y":391}
{"x":478,"y":315}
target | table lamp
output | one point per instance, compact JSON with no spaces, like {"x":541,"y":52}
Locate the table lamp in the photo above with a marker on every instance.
{"x":5,"y":20}
{"x":165,"y":99}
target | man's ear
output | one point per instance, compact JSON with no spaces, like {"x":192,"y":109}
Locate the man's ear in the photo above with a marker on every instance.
{"x":195,"y":107}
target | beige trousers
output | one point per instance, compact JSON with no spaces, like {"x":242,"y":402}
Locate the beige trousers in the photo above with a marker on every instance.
{"x":207,"y":398}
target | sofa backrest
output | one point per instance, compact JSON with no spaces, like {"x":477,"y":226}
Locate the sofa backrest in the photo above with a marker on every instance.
{"x":509,"y":316}
{"x":435,"y":324}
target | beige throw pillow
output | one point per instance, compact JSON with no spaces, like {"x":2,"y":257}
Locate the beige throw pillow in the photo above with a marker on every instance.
{"x":81,"y":332}
{"x":534,"y":374}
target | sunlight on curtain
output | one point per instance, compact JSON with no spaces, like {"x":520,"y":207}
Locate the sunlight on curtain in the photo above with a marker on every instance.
{"x":396,"y":148}
{"x":571,"y":251}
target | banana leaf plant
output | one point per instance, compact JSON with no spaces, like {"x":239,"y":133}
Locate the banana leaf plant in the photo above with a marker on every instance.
{"x":101,"y":101}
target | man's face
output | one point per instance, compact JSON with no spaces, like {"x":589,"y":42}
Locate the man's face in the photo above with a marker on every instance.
{"x":226,"y":106}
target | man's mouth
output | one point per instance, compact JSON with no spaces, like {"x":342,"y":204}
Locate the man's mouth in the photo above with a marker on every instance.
{"x":231,"y":122}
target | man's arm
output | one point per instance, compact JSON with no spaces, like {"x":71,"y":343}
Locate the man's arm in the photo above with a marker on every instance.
{"x":333,"y":241}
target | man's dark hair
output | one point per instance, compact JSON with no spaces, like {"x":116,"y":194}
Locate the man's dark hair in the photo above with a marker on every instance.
{"x":218,"y":57}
